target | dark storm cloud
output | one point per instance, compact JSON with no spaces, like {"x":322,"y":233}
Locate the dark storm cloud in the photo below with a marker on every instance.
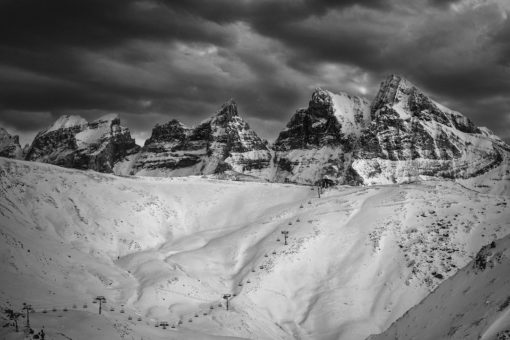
{"x":96,"y":23}
{"x":152,"y":60}
{"x":460,"y":55}
{"x":443,"y":3}
{"x":44,"y":47}
{"x":286,"y":21}
{"x":501,"y":39}
{"x":44,"y":54}
{"x":266,"y":11}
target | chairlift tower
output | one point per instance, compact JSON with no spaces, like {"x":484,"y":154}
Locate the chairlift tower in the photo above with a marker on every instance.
{"x":227,"y":297}
{"x":285,"y":235}
{"x":28,"y":309}
{"x":101,"y":299}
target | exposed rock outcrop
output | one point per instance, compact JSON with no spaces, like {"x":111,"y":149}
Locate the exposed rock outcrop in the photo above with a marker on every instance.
{"x":402,"y":136}
{"x":9,"y":145}
{"x":74,"y":143}
{"x":318,"y":141}
{"x":223,"y":142}
{"x":412,"y":137}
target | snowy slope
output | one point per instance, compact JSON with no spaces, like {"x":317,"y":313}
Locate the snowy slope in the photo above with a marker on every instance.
{"x":167,"y":249}
{"x":352,"y":112}
{"x":97,"y":130}
{"x":473,"y":304}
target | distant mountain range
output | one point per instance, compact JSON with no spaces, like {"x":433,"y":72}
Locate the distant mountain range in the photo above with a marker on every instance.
{"x":402,"y":136}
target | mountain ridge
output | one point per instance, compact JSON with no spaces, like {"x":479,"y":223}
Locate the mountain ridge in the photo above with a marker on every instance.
{"x":221,"y":143}
{"x":73,"y":142}
{"x":402,"y":135}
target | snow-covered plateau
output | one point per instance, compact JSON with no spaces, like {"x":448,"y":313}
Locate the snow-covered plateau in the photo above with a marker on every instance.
{"x":168,"y":250}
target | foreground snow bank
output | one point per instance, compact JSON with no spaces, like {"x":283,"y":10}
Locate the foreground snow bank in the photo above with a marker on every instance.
{"x":473,"y":304}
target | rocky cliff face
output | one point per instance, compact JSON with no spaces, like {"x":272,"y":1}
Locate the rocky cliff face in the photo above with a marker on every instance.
{"x":75,"y":143}
{"x":412,"y":137}
{"x":402,"y":136}
{"x":9,"y":145}
{"x":318,"y":141}
{"x":223,"y":142}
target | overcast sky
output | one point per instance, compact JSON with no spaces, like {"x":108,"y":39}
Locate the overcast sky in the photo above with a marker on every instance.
{"x":152,"y":61}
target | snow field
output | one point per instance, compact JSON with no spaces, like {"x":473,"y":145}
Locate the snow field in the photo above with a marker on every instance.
{"x":472,"y":304}
{"x":167,"y":249}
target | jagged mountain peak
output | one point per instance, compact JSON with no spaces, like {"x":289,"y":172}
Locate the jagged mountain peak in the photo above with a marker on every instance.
{"x":400,"y":99}
{"x":172,"y":122}
{"x":4,"y":133}
{"x":346,"y":137}
{"x":69,"y":121}
{"x":73,"y":142}
{"x":321,"y":100}
{"x":228,"y":109}
{"x":109,"y":117}
{"x":314,"y":144}
{"x":339,"y":103}
{"x":66,"y":121}
{"x":171,"y":131}
{"x":397,"y":81}
{"x":223,"y":142}
{"x":393,"y":90}
{"x":9,"y":145}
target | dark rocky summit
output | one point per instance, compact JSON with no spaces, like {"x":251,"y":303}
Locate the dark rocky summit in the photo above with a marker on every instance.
{"x":402,"y":136}
{"x":412,"y":137}
{"x":313,"y":127}
{"x":318,"y":141}
{"x":223,"y":142}
{"x":406,"y":124}
{"x":72,"y":142}
{"x":9,"y":145}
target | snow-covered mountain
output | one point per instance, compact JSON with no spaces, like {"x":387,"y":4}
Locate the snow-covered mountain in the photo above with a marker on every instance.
{"x":472,"y":304}
{"x":168,"y":249}
{"x":318,"y":141}
{"x":73,"y":142}
{"x":221,"y":143}
{"x":401,"y":137}
{"x":9,"y":145}
{"x":411,"y":137}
